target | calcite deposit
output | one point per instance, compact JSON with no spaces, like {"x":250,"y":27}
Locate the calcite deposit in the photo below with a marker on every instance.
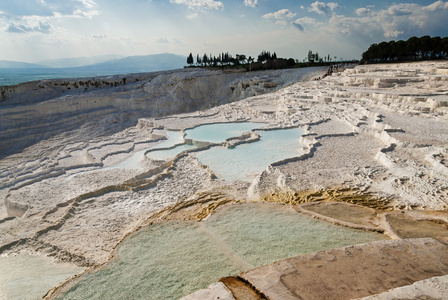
{"x":341,"y":273}
{"x":376,"y":130}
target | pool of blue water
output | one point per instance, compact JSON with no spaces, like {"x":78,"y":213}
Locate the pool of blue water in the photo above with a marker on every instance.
{"x":245,"y":161}
{"x":167,"y":154}
{"x":134,"y":162}
{"x":218,"y":133}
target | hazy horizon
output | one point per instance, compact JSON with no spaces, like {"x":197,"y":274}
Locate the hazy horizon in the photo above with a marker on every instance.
{"x":15,"y":73}
{"x":33,"y":31}
{"x":85,"y":60}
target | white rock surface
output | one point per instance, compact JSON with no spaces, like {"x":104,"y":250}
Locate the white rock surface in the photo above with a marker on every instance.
{"x":435,"y":288}
{"x":376,"y":128}
{"x":213,"y":292}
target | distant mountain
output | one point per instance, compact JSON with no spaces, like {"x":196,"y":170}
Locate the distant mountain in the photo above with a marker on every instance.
{"x":138,"y":64}
{"x":73,"y":62}
{"x":12,"y":73}
{"x":7,"y":64}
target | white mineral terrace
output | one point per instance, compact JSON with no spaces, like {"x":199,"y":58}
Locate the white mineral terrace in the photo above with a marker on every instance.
{"x":377,"y":129}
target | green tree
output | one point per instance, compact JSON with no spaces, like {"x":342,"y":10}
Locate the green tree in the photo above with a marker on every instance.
{"x":413,"y":47}
{"x":400,"y":48}
{"x":444,"y":47}
{"x":311,"y":56}
{"x":190,"y":59}
{"x":291,"y":62}
{"x":436,"y":49}
{"x":264,"y":56}
{"x":425,"y":45}
{"x":236,"y":61}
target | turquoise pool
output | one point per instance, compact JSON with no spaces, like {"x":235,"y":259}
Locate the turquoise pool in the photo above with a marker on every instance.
{"x":170,"y":260}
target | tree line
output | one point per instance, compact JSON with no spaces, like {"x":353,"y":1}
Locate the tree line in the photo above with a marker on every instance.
{"x":265,"y":60}
{"x":226,"y":59}
{"x":315,"y":57}
{"x":415,"y":48}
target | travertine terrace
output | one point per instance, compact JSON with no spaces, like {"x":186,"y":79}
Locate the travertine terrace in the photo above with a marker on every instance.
{"x":378,"y":130}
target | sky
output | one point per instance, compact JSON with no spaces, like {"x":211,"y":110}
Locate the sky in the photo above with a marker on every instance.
{"x":34,"y":30}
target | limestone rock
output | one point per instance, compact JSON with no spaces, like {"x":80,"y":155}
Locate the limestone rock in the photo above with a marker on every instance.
{"x":213,"y":292}
{"x":352,"y":272}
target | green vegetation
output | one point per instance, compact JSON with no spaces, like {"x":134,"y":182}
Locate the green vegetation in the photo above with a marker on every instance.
{"x":414,"y":49}
{"x":265,"y":61}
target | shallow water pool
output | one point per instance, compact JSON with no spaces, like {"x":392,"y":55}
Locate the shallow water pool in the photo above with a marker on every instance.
{"x":246,"y":161}
{"x":218,"y":133}
{"x":134,"y":162}
{"x":169,"y":153}
{"x":170,"y":260}
{"x":29,"y":277}
{"x":210,"y":133}
{"x":243,"y":162}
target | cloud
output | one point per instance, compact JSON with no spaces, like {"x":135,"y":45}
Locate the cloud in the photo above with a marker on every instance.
{"x":437,"y":5}
{"x":192,"y":16}
{"x":47,"y":8}
{"x":161,"y":40}
{"x":84,"y":14}
{"x":200,"y":4}
{"x":251,"y":3}
{"x":299,"y":26}
{"x":282,"y":14}
{"x":362,"y":11}
{"x":402,"y":9}
{"x":301,"y":22}
{"x":392,"y":34}
{"x":323,"y":8}
{"x":21,"y":16}
{"x":100,"y":36}
{"x":89,"y":3}
{"x":41,"y":27}
{"x":285,"y":17}
{"x":396,"y":21}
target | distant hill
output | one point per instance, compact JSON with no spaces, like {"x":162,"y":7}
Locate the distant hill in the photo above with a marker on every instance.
{"x":12,"y":73}
{"x":7,"y":64}
{"x":73,"y":62}
{"x":137,"y":64}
